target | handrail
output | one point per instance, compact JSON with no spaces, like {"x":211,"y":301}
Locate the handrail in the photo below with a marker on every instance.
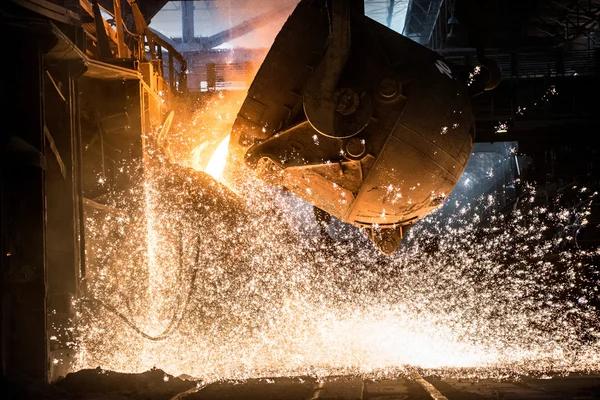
{"x":142,"y":37}
{"x":173,"y":54}
{"x":86,"y":6}
{"x":142,"y":28}
{"x":106,"y":10}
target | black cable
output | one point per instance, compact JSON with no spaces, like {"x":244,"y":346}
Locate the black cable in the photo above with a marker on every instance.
{"x":175,"y":322}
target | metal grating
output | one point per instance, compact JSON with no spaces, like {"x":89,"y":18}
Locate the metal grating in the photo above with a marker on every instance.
{"x":540,"y":64}
{"x":421,"y":16}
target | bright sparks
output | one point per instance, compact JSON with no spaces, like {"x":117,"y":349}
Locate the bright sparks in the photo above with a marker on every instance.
{"x":217,"y":162}
{"x":241,"y":288}
{"x":190,"y":278}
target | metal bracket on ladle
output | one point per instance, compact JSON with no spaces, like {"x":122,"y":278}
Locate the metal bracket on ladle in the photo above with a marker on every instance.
{"x":337,"y":112}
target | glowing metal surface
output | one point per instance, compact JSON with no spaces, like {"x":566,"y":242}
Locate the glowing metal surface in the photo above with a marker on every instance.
{"x":216,"y":165}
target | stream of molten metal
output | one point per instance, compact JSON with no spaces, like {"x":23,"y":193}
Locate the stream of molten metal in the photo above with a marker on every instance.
{"x":217,"y":161}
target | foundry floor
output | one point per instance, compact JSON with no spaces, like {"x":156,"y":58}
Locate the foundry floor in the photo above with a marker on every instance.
{"x":156,"y":385}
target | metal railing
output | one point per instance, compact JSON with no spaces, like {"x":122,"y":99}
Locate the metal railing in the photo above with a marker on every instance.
{"x":115,"y":42}
{"x":526,"y":65}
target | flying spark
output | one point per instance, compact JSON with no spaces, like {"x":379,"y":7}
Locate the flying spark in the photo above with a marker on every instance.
{"x":197,"y":280}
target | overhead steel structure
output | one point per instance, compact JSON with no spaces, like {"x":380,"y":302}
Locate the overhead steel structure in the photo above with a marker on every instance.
{"x":511,"y":24}
{"x":390,"y":13}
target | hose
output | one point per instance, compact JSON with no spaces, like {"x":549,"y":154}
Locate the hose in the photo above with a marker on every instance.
{"x":175,"y":320}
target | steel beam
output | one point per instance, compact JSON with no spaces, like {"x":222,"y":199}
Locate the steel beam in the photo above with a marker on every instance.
{"x":206,"y":43}
{"x":187,"y":21}
{"x":390,"y":12}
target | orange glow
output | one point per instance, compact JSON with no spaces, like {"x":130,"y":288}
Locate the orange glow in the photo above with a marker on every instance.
{"x":194,"y":139}
{"x":195,"y":281}
{"x":216,"y":165}
{"x":220,"y":292}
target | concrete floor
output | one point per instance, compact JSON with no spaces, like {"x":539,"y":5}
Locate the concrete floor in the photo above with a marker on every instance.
{"x":156,"y":385}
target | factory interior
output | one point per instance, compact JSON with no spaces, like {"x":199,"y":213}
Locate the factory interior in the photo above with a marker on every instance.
{"x":300,"y":199}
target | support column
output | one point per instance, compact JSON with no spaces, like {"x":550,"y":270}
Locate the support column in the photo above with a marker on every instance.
{"x":390,"y":13}
{"x":187,"y":21}
{"x":22,"y":172}
{"x":64,"y":222}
